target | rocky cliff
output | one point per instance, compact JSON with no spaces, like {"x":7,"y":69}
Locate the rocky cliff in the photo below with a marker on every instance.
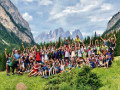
{"x":11,"y":19}
{"x":114,"y":23}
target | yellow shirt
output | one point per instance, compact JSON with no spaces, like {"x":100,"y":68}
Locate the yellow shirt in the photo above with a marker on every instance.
{"x":77,"y":40}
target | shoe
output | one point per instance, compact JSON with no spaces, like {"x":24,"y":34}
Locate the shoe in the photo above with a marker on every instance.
{"x":42,"y":76}
{"x":35,"y":75}
{"x":45,"y":76}
{"x":8,"y":74}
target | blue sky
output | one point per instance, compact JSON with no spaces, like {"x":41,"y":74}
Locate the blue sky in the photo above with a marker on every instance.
{"x":87,"y":15}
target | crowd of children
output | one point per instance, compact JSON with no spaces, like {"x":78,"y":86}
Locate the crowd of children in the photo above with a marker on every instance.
{"x":50,"y":60}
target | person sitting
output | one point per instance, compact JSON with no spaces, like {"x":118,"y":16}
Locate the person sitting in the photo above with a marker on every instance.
{"x":34,"y":70}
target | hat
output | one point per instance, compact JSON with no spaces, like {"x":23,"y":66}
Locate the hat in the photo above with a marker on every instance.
{"x":84,"y":48}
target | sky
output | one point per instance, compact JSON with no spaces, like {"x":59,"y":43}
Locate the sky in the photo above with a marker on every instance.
{"x":87,"y":15}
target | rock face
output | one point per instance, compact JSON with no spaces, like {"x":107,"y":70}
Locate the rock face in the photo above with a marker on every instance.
{"x":11,"y":19}
{"x":114,"y":23}
{"x":54,"y":35}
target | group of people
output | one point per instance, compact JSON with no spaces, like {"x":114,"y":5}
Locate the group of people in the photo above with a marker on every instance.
{"x":50,"y":60}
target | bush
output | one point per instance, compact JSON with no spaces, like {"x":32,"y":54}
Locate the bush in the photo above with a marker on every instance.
{"x":77,"y":79}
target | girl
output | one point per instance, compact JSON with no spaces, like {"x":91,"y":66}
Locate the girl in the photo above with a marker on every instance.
{"x":34,"y":70}
{"x":46,"y":56}
{"x":62,"y":67}
{"x":8,"y":58}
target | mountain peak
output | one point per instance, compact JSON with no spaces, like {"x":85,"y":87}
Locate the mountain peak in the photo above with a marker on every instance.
{"x":54,"y":35}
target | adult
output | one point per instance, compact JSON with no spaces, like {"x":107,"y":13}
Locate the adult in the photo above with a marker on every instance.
{"x":112,"y":45}
{"x":8,"y":61}
{"x":105,"y":40}
{"x":77,"y":39}
{"x":38,"y":58}
{"x":16,"y":64}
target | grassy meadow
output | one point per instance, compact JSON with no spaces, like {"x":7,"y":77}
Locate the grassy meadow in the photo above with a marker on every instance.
{"x":110,"y":79}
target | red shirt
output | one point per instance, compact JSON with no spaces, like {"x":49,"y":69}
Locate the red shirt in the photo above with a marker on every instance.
{"x":38,"y":56}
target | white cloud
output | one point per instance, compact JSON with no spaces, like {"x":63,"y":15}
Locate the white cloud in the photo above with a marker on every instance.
{"x":87,"y":15}
{"x":81,"y":7}
{"x":27,"y":17}
{"x":45,"y":2}
{"x":28,"y":0}
{"x":98,"y":18}
{"x":106,"y":7}
{"x":98,"y":31}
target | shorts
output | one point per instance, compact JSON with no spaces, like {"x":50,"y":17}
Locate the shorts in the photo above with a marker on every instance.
{"x":8,"y":61}
{"x":57,"y":69}
{"x":104,"y":61}
{"x":66,"y":57}
{"x":49,"y":70}
{"x":41,"y":70}
{"x":35,"y":70}
{"x":16,"y":64}
{"x":44,"y":68}
{"x":38,"y":61}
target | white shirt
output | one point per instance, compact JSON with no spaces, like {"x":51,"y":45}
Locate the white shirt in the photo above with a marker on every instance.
{"x":62,"y":67}
{"x":73,"y":54}
{"x":79,"y":53}
{"x":67,"y":54}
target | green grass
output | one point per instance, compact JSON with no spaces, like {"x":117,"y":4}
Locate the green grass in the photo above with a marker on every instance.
{"x":110,"y":79}
{"x":9,"y":83}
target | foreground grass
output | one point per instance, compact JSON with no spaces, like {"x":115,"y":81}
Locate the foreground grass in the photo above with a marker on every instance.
{"x":9,"y":83}
{"x":110,"y":79}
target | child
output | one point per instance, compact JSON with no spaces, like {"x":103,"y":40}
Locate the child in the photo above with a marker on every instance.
{"x":34,"y":70}
{"x":62,"y":67}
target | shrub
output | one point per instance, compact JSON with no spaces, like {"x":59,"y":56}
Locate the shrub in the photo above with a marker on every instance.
{"x":77,"y":79}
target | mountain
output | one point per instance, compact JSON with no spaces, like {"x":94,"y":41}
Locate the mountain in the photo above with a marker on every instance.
{"x":114,"y":23}
{"x":13,"y":28}
{"x":54,"y":35}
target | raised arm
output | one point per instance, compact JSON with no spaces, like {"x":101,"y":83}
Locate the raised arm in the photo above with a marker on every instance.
{"x":6,"y":53}
{"x":90,"y":42}
{"x":101,"y":37}
{"x":61,"y":43}
{"x":83,"y":43}
{"x":115,"y":38}
{"x":56,"y":44}
{"x":96,"y":41}
{"x":13,"y":52}
{"x":22,"y":46}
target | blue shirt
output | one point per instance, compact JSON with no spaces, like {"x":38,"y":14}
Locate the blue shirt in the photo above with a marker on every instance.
{"x":17,"y":56}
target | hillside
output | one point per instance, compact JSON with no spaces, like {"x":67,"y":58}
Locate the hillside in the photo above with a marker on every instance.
{"x":109,"y":79}
{"x":13,"y":28}
{"x":114,"y":23}
{"x":8,"y":39}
